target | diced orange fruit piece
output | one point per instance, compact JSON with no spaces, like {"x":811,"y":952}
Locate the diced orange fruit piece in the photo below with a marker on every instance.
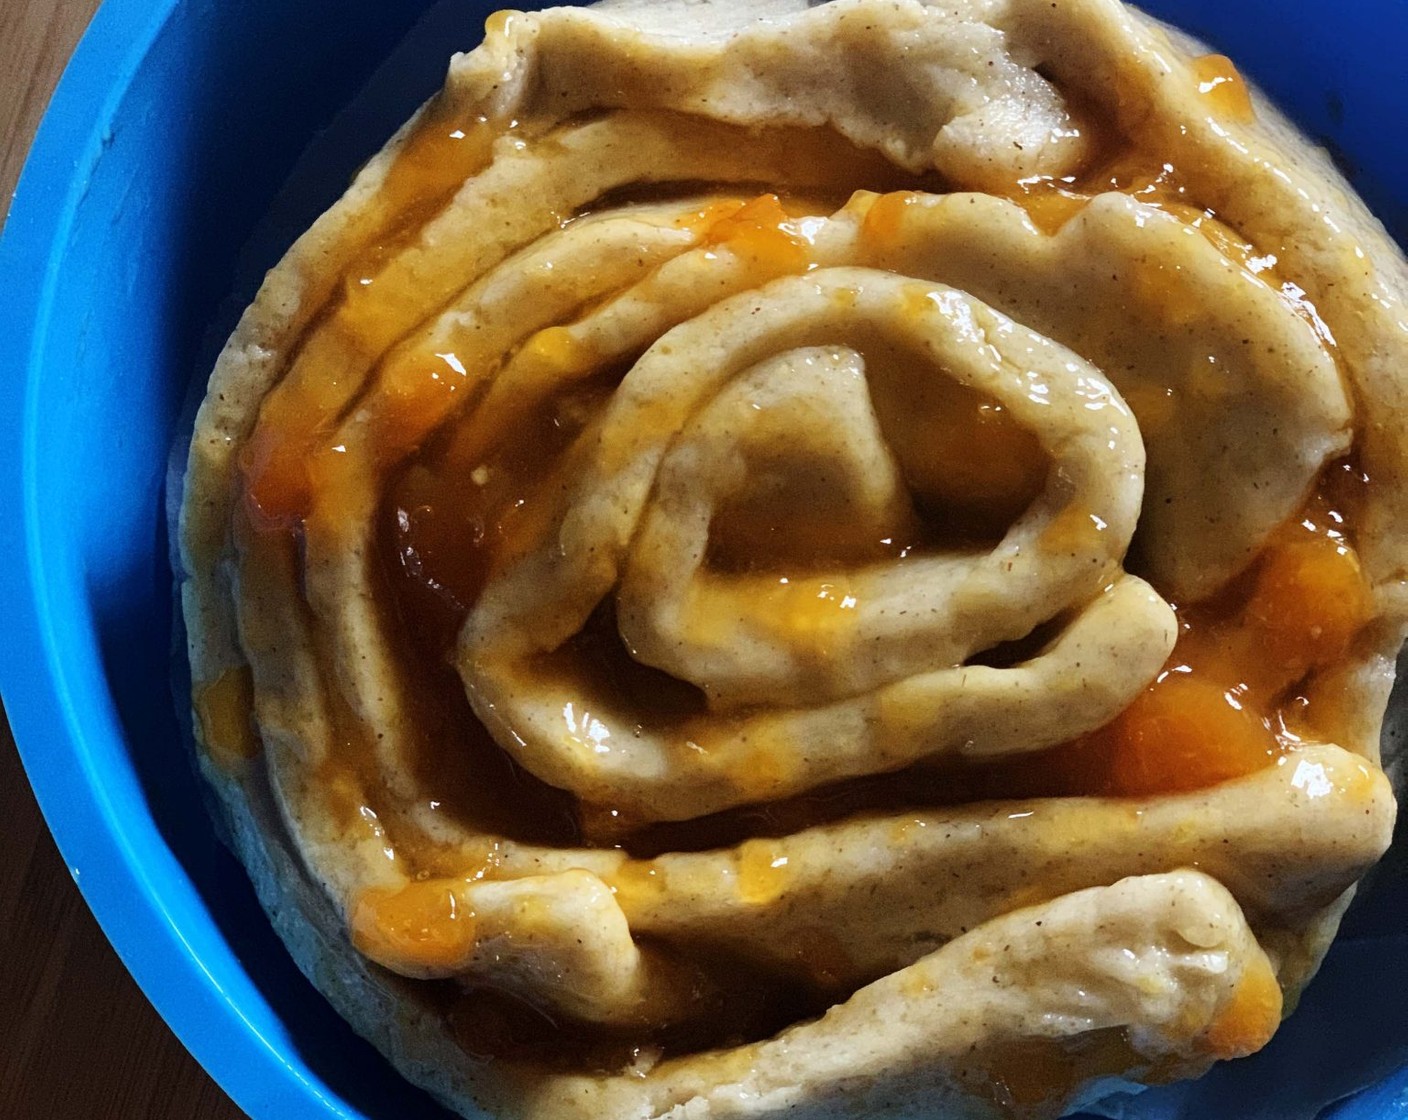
{"x":274,"y":468}
{"x":1184,"y":733}
{"x":1224,"y":87}
{"x":885,"y":219}
{"x":422,"y":926}
{"x":755,"y":231}
{"x":1052,"y":208}
{"x":223,"y":710}
{"x":1308,"y":602}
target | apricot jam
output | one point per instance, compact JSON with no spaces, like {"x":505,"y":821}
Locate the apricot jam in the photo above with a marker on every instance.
{"x":424,"y":923}
{"x":1250,"y":1018}
{"x":439,"y":154}
{"x":758,"y":232}
{"x":1224,"y":88}
{"x":457,"y":502}
{"x":1217,"y":710}
{"x":223,"y":710}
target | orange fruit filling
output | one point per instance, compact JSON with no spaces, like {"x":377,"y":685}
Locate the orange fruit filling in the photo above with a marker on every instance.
{"x":1184,"y":733}
{"x":1250,"y":1018}
{"x":1225,"y":89}
{"x":1215,"y":711}
{"x":757,"y":232}
{"x":223,"y":709}
{"x":422,"y":925}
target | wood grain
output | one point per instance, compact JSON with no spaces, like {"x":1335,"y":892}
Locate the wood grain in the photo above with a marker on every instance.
{"x":78,"y":1041}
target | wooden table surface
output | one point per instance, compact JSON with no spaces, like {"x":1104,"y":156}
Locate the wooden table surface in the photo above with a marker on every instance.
{"x":78,"y":1041}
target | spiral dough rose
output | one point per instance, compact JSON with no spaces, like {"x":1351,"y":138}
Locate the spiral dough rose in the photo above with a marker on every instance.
{"x":743,"y":563}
